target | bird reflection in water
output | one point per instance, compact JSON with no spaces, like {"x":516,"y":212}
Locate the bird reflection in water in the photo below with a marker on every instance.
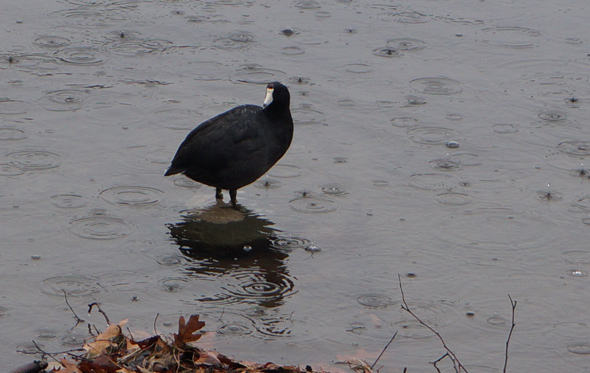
{"x":237,"y":247}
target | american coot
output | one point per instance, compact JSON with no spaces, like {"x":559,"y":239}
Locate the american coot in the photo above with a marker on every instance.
{"x":235,"y":148}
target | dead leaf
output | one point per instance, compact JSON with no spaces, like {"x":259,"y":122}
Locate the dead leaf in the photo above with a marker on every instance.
{"x":186,"y":330}
{"x":208,"y":358}
{"x":102,"y":341}
{"x":94,"y":367}
{"x":359,"y":366}
{"x":70,"y":367}
{"x":148,"y":342}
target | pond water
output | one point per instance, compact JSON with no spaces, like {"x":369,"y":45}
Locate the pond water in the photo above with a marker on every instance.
{"x":443,"y":142}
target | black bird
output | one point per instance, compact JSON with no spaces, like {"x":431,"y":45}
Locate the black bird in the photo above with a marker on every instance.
{"x":235,"y":148}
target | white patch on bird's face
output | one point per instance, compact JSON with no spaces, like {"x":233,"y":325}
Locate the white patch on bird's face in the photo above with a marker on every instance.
{"x":268,"y":98}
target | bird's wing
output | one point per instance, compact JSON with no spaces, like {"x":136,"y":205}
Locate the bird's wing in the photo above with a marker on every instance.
{"x":215,"y":142}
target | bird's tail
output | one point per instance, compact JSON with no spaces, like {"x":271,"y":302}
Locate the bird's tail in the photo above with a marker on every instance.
{"x":173,"y":171}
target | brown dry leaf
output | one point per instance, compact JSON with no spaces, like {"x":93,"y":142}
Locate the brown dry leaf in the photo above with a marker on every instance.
{"x":102,"y":341}
{"x":125,"y":370}
{"x":70,"y":367}
{"x":161,"y":347}
{"x":132,"y":346}
{"x":94,"y":367}
{"x":208,"y":358}
{"x":359,"y":366}
{"x":186,"y":330}
{"x":148,"y":342}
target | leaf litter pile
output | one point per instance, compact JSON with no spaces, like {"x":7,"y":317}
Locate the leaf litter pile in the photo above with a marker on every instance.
{"x":114,"y":352}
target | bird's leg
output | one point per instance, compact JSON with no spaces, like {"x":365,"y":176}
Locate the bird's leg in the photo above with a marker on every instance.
{"x":218,"y":193}
{"x":233,"y":195}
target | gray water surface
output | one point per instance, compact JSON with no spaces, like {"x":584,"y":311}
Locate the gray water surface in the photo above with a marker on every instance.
{"x":446,"y":142}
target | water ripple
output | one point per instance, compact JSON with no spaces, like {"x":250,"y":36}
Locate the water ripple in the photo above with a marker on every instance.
{"x":40,"y":62}
{"x":235,"y":329}
{"x":375,"y":300}
{"x":433,"y":181}
{"x":445,"y":164}
{"x":552,"y":116}
{"x":68,"y":201}
{"x":100,"y":227}
{"x":288,"y":244}
{"x":11,"y":134}
{"x":575,"y":147}
{"x":312,"y":205}
{"x":511,"y":37}
{"x":52,"y":41}
{"x":13,"y":107}
{"x":257,"y":74}
{"x":235,"y":40}
{"x":437,"y":86}
{"x":404,"y":122}
{"x":64,"y":100}
{"x":87,"y":17}
{"x":334,"y":189}
{"x":504,"y":128}
{"x":433,"y":135}
{"x":453,"y":199}
{"x":307,"y":115}
{"x":292,"y":50}
{"x":406,"y":44}
{"x":358,"y":68}
{"x":7,"y":169}
{"x":33,"y":160}
{"x":285,"y":171}
{"x":410,"y":17}
{"x":267,"y":184}
{"x":73,"y":285}
{"x":251,"y":286}
{"x":136,"y":47}
{"x":387,"y":51}
{"x":131,"y":195}
{"x":82,"y":56}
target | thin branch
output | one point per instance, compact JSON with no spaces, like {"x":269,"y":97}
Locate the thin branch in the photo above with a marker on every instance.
{"x":130,"y":334}
{"x":513,"y":304}
{"x":155,"y":323}
{"x":438,"y":360}
{"x":406,"y":308}
{"x":44,"y":352}
{"x":78,"y":320}
{"x":91,"y":305}
{"x":53,"y":354}
{"x":383,"y":351}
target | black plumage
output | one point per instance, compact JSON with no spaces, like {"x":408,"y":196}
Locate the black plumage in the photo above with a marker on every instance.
{"x":235,"y":148}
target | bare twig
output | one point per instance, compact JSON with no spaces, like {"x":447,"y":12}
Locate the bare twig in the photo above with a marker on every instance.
{"x":130,"y":334}
{"x":513,"y":304}
{"x":78,"y":320}
{"x":383,"y":351}
{"x":53,"y":354}
{"x":91,"y":305}
{"x":457,"y":364}
{"x":96,"y":331}
{"x":439,"y":359}
{"x":155,"y":323}
{"x":44,"y":352}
